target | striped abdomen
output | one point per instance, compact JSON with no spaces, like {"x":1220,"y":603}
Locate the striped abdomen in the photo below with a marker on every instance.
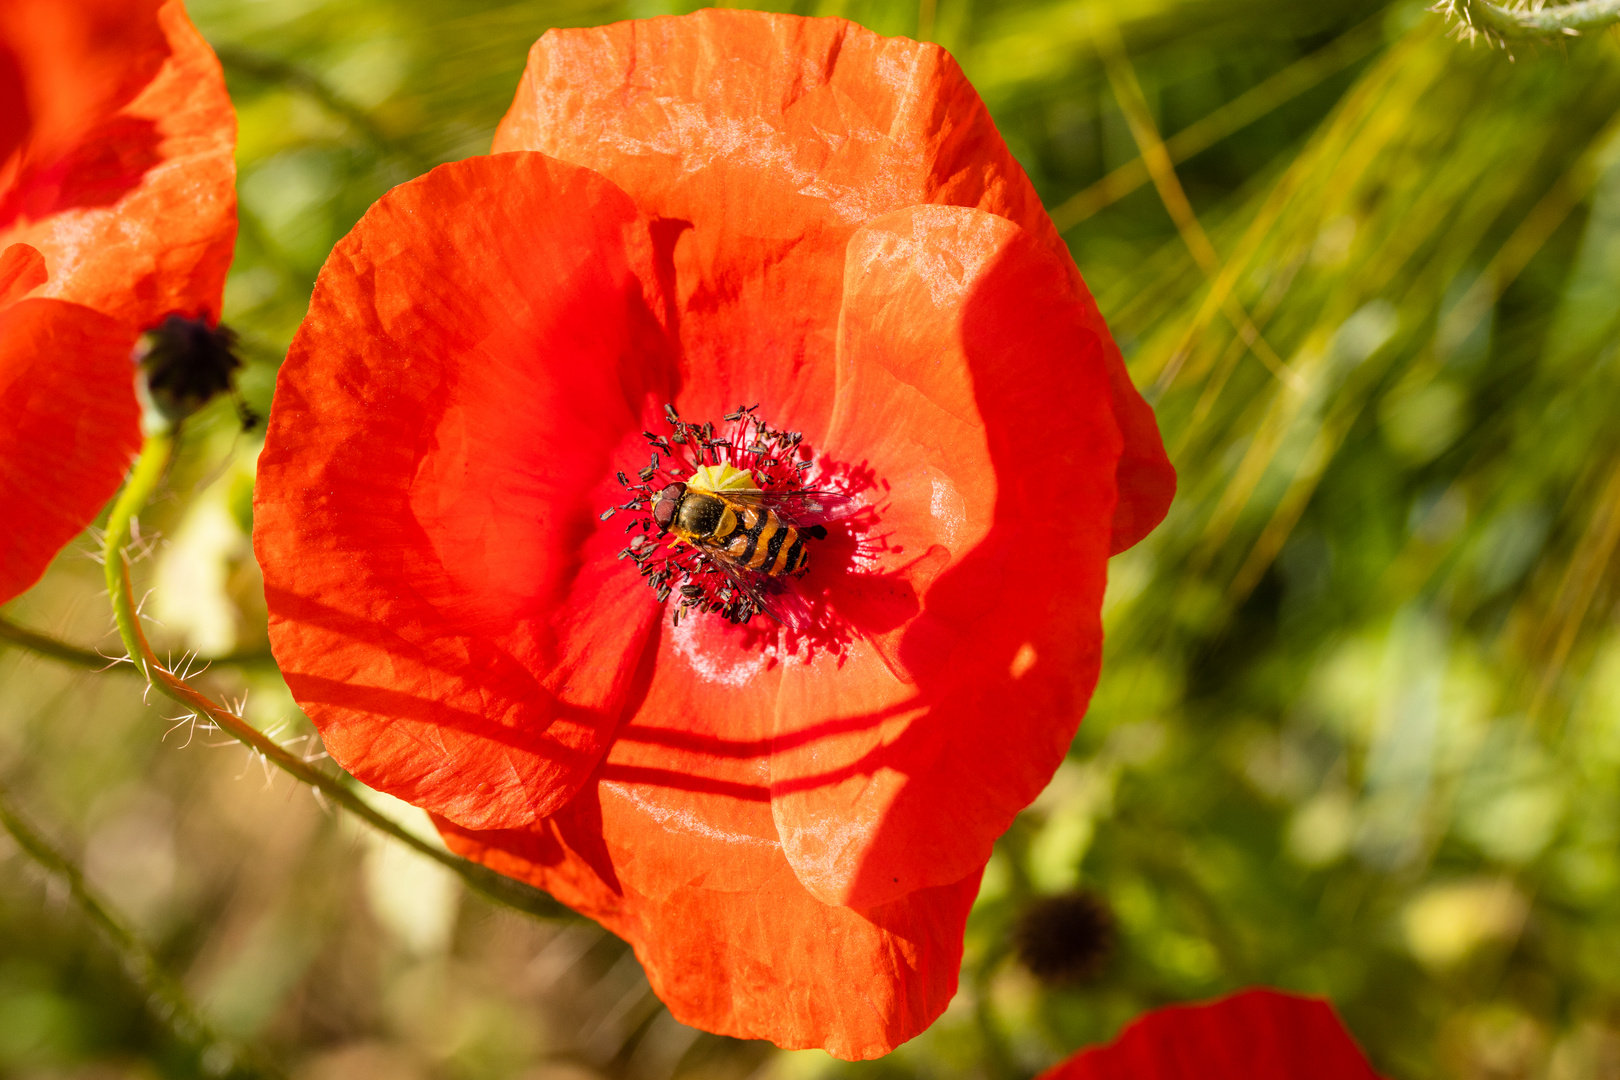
{"x":756,"y":538}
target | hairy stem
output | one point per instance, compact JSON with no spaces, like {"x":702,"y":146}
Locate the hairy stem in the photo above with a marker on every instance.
{"x":1497,"y":22}
{"x":167,"y":998}
{"x":149,"y":470}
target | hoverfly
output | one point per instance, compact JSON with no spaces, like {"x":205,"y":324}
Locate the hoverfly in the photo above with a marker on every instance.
{"x":756,"y":538}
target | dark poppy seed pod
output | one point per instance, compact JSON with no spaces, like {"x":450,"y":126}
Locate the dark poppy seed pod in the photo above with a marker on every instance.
{"x":1066,"y":938}
{"x":181,"y":364}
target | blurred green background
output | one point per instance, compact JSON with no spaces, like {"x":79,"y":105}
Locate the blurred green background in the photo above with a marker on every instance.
{"x":1358,"y":732}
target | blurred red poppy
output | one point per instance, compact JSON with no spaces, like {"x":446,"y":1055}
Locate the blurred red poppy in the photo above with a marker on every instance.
{"x":729,"y":209}
{"x":117,"y":209}
{"x":1254,"y":1035}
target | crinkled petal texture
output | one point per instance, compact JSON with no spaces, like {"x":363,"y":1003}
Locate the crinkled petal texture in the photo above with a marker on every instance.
{"x":65,"y":440}
{"x":764,"y":141}
{"x":895,"y":766}
{"x":674,"y":851}
{"x":759,"y":209}
{"x":68,"y":64}
{"x":132,"y":200}
{"x":1254,"y":1035}
{"x":117,"y":202}
{"x":476,"y":363}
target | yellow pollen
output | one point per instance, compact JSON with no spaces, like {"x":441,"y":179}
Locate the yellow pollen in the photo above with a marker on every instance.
{"x":722,"y":478}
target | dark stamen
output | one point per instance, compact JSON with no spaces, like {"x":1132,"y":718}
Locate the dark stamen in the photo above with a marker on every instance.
{"x":183,"y":364}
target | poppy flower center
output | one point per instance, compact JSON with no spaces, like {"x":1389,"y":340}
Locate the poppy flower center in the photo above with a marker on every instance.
{"x":181,"y":365}
{"x":722,"y":519}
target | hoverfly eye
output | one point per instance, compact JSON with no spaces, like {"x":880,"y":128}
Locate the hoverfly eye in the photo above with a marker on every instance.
{"x":669,"y":500}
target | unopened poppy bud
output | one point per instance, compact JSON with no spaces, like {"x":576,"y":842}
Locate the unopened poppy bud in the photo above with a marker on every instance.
{"x":181,"y":364}
{"x":1066,"y":938}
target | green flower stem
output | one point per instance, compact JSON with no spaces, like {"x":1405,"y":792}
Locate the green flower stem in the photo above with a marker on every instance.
{"x":149,"y":470}
{"x":34,"y":642}
{"x":44,"y":645}
{"x":167,"y":998}
{"x":1552,"y":21}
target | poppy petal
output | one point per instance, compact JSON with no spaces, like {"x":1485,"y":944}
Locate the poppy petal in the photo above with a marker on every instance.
{"x":66,"y":438}
{"x":445,"y":603}
{"x":22,"y":270}
{"x":1146,"y":480}
{"x":970,"y":383}
{"x":75,"y":62}
{"x":133,"y":210}
{"x":763,"y":141}
{"x":697,"y":728}
{"x":672,"y":847}
{"x":744,"y":950}
{"x":1254,"y":1035}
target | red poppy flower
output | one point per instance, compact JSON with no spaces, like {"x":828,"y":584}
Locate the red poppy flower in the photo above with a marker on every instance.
{"x":117,"y":209}
{"x":1253,"y":1035}
{"x":728,"y":209}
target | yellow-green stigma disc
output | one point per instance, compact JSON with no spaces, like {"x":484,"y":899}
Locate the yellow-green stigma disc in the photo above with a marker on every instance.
{"x":722,"y":478}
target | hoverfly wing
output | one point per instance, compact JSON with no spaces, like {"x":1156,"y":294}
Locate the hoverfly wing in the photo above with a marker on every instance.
{"x":769,"y":595}
{"x":808,"y":507}
{"x":787,"y":607}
